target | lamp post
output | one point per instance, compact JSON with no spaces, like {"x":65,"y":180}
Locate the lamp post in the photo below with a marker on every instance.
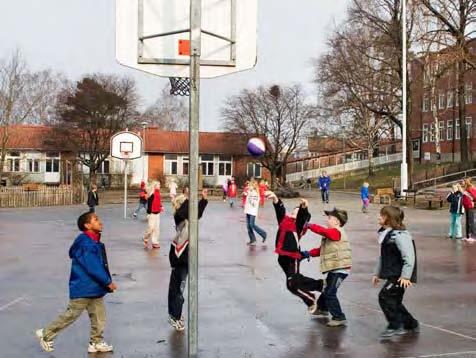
{"x":343,"y":153}
{"x":144,"y":125}
{"x":404,"y":166}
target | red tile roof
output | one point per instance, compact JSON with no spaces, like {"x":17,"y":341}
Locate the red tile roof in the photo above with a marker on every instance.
{"x":29,"y":137}
{"x":158,"y":141}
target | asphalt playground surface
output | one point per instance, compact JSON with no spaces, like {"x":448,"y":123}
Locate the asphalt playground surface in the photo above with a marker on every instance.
{"x":245,"y":310}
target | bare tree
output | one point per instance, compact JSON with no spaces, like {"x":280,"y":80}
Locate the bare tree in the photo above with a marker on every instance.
{"x":278,"y":114}
{"x":456,"y":21}
{"x":23,"y":94}
{"x":168,"y":112}
{"x":92,"y":111}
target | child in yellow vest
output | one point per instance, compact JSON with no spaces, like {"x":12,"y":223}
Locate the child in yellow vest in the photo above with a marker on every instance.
{"x":336,"y":261}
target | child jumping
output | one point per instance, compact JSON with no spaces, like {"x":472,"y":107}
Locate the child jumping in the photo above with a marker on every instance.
{"x":396,"y":265}
{"x":292,"y":228}
{"x":455,"y":198}
{"x":178,"y":257}
{"x":365,"y":196}
{"x":336,"y":260}
{"x":89,"y":282}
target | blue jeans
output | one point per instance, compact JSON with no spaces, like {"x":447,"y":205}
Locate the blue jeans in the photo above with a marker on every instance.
{"x":328,"y":299}
{"x":141,"y":205}
{"x":456,"y":229}
{"x":252,"y":227}
{"x":325,"y":195}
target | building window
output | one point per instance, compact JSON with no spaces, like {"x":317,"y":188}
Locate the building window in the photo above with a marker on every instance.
{"x":449,"y":99}
{"x":425,"y":133}
{"x":104,"y":167}
{"x":14,"y":154}
{"x":52,"y":165}
{"x":34,"y":165}
{"x":171,"y":164}
{"x":441,"y":128}
{"x":469,"y":126}
{"x":457,"y":130}
{"x":185,"y":165}
{"x":14,"y":165}
{"x":441,"y":101}
{"x":207,"y":164}
{"x":468,"y":94}
{"x":426,"y":103}
{"x":224,"y":165}
{"x":253,"y":170}
{"x":432,"y":132}
{"x":449,"y":130}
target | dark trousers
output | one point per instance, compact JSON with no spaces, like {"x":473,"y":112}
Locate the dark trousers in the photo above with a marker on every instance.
{"x":298,"y":284}
{"x":469,"y":223}
{"x":328,"y":300}
{"x":325,"y":195}
{"x":92,"y":209}
{"x":252,"y":227}
{"x":178,"y":278}
{"x":390,"y":300}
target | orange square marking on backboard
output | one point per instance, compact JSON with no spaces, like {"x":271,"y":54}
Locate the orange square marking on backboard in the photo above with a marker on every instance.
{"x":184,"y":47}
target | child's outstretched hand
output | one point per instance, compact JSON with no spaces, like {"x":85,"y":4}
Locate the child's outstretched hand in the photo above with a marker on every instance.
{"x":375,"y":281}
{"x":403,"y":282}
{"x":271,"y":195}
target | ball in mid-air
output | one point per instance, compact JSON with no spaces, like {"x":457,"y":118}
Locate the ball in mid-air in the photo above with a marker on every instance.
{"x":256,"y":147}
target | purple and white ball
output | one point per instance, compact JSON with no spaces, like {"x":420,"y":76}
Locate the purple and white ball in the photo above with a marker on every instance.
{"x":256,"y":147}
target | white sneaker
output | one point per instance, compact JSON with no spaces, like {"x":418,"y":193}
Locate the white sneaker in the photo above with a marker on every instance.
{"x":99,"y":347}
{"x":470,"y":240}
{"x":178,"y":324}
{"x":47,"y":346}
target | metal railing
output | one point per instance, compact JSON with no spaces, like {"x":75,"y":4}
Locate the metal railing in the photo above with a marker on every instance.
{"x":340,"y":168}
{"x":443,"y":180}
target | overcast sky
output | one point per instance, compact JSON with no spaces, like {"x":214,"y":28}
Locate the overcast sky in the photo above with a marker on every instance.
{"x":78,"y":37}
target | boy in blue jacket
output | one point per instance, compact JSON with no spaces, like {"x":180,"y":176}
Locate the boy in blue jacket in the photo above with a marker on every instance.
{"x":89,"y":282}
{"x":324,"y":184}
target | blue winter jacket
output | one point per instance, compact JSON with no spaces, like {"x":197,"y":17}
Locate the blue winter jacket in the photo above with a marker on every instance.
{"x":89,"y":269}
{"x":364,"y":192}
{"x":324,"y":182}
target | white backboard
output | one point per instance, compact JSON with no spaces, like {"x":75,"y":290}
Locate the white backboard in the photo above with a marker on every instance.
{"x":229,"y":29}
{"x":126,"y":145}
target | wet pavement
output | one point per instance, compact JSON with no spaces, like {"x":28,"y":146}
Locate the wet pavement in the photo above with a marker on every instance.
{"x":245,"y":309}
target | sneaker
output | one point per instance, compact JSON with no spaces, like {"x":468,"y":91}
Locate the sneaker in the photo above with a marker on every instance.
{"x":101,"y":347}
{"x":336,"y":322}
{"x":389,"y":332}
{"x":155,"y":246}
{"x":316,"y":312}
{"x":470,"y":240}
{"x":47,"y":346}
{"x":251,"y":243}
{"x":178,"y":324}
{"x":413,"y":330}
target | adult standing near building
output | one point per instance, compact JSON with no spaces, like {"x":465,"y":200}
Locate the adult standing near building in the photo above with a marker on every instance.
{"x":154,"y":208}
{"x":324,"y":184}
{"x":93,"y":198}
{"x":469,"y":197}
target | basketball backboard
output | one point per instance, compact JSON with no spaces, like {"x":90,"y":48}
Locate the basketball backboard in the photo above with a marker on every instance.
{"x":153,"y":36}
{"x":126,"y":145}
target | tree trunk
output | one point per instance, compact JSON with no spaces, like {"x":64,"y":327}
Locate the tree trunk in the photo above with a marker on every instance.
{"x":92,"y":177}
{"x":273,"y":178}
{"x":370,"y":154}
{"x":461,"y":115}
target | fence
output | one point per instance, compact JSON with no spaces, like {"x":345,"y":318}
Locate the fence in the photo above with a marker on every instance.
{"x":340,"y":168}
{"x":16,"y":197}
{"x":443,"y":180}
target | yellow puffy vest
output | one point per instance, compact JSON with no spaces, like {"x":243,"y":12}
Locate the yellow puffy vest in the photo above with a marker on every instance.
{"x":335,"y":254}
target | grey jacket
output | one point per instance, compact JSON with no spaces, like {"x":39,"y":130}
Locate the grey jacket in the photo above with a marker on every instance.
{"x":403,"y":240}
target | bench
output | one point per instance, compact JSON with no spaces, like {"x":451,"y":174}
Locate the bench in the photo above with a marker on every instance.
{"x":384,"y":196}
{"x":410,"y":193}
{"x":434,"y":199}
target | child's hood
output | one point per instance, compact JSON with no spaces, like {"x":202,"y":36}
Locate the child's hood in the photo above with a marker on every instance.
{"x":403,"y":235}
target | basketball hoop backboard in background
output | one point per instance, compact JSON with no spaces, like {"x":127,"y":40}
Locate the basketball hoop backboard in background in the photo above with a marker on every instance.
{"x":126,"y":145}
{"x":153,"y":36}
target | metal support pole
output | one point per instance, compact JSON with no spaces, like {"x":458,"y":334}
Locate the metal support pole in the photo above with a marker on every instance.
{"x":125,"y":189}
{"x":195,"y":44}
{"x":344,"y":158}
{"x":404,"y":167}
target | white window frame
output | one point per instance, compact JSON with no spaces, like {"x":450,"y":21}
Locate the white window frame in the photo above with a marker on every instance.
{"x":425,"y":133}
{"x":441,"y":101}
{"x":226,"y":165}
{"x":449,"y":99}
{"x":457,"y":129}
{"x":468,"y":93}
{"x":206,"y":164}
{"x":14,"y":164}
{"x":169,"y":160}
{"x":33,"y":165}
{"x":432,"y":132}
{"x":254,"y":166}
{"x":469,"y":126}
{"x":426,"y":103}
{"x":449,"y":129}
{"x":441,"y":128}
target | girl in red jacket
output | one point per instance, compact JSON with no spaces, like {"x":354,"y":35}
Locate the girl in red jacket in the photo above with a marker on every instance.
{"x":232,"y":192}
{"x":469,"y":197}
{"x":154,"y":208}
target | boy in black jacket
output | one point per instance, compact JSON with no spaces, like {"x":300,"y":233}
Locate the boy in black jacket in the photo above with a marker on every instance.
{"x":291,"y":228}
{"x":93,"y":198}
